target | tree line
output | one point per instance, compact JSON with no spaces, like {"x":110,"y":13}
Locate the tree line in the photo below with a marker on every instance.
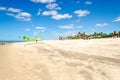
{"x":95,"y":35}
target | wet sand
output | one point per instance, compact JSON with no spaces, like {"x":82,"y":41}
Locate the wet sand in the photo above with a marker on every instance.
{"x":96,"y":59}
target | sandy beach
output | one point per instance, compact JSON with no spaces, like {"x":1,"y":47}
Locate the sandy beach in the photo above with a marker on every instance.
{"x":95,"y":59}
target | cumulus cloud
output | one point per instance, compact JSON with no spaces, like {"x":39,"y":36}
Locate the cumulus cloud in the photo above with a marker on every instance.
{"x":48,"y":13}
{"x":102,"y":25}
{"x":23,"y":16}
{"x":43,"y":1}
{"x":41,"y":29}
{"x":117,"y":19}
{"x":17,"y":13}
{"x":2,"y":8}
{"x":88,"y":2}
{"x":56,"y":16}
{"x":67,"y":26}
{"x":14,"y":10}
{"x":82,"y":13}
{"x":53,"y":6}
{"x":61,"y":16}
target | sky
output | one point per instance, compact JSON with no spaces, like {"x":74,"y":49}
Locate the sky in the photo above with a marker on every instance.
{"x":53,"y":18}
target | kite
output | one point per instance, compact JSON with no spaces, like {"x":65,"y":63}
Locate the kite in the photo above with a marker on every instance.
{"x":25,"y":38}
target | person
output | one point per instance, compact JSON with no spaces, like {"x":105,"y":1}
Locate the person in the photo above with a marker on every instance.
{"x":36,"y":41}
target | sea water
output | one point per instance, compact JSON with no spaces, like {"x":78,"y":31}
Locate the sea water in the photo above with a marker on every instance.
{"x":10,"y":41}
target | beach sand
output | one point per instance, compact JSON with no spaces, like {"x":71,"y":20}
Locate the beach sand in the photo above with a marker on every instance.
{"x":95,"y":59}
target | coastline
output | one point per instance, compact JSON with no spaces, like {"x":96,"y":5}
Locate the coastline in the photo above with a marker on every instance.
{"x":3,"y":42}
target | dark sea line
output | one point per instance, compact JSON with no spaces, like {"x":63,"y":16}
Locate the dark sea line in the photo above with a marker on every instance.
{"x":3,"y":42}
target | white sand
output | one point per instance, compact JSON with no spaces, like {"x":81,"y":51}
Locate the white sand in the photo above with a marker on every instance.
{"x":97,"y":59}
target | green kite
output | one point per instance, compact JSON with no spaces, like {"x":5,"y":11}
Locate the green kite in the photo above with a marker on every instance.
{"x":25,"y":38}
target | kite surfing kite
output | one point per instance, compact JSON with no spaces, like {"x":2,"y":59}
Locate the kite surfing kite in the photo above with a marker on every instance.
{"x":25,"y":38}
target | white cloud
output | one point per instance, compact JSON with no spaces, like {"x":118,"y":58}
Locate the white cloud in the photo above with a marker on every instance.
{"x":10,"y":14}
{"x":43,"y":1}
{"x":61,"y":16}
{"x":27,"y":29}
{"x":53,"y":6}
{"x":55,"y":15}
{"x":2,"y":8}
{"x":39,"y":12}
{"x":117,"y":19}
{"x":79,"y":27}
{"x":70,"y":33}
{"x":88,"y":2}
{"x":67,"y":33}
{"x":48,"y":13}
{"x":14,"y":10}
{"x":41,"y":29}
{"x":102,"y":25}
{"x":70,"y":26}
{"x":67,"y":26}
{"x":23,"y":16}
{"x":82,"y":13}
{"x":37,"y":32}
{"x":17,"y":13}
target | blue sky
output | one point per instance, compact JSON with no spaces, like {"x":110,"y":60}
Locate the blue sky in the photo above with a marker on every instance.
{"x":52,"y":18}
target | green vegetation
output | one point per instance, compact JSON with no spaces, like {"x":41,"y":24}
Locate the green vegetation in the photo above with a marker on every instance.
{"x":95,"y":35}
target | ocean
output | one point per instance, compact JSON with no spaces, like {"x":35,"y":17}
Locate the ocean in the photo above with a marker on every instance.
{"x":10,"y":41}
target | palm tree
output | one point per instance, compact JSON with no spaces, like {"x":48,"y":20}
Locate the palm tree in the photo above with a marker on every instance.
{"x":111,"y":34}
{"x":100,"y":34}
{"x":95,"y":34}
{"x":114,"y":33}
{"x":119,"y":33}
{"x":79,"y":33}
